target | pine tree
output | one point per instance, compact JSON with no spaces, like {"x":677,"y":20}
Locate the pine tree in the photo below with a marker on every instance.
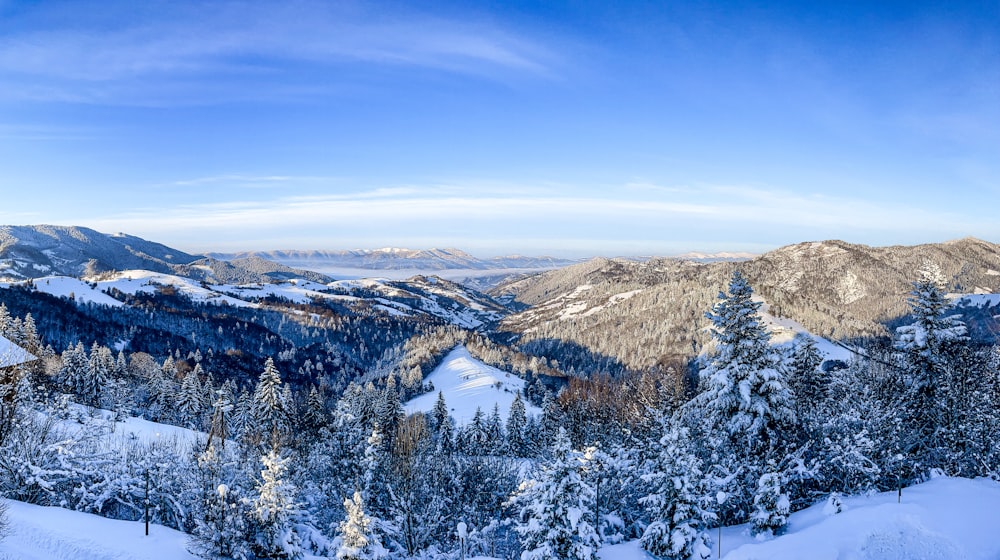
{"x":273,"y":508}
{"x":242,"y":419}
{"x":269,"y":406}
{"x":517,"y":422}
{"x":556,"y":515}
{"x":677,"y":504}
{"x":219,"y":517}
{"x":495,"y":436}
{"x":99,"y":368}
{"x":931,"y":344}
{"x":475,"y":439}
{"x":439,"y":413}
{"x":771,"y":506}
{"x":315,"y":410}
{"x":745,"y":411}
{"x":809,"y":384}
{"x":358,"y":540}
{"x":747,"y":396}
{"x":73,"y":372}
{"x":189,"y":399}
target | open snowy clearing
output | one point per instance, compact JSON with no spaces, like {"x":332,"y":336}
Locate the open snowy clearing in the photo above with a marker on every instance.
{"x":52,"y":533}
{"x":783,"y":331}
{"x":468,"y":383}
{"x":941,"y":519}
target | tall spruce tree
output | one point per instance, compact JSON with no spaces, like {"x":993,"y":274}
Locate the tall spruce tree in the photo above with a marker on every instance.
{"x":269,"y":406}
{"x":678,"y":504}
{"x":275,"y":537}
{"x":931,"y":345}
{"x":556,"y":509}
{"x":517,"y":422}
{"x":745,"y":409}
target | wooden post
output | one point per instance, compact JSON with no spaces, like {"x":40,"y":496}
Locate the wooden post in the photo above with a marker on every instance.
{"x":146,"y":502}
{"x":720,"y":540}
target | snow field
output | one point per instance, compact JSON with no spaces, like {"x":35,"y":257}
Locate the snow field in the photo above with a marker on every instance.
{"x":52,"y":533}
{"x":468,"y":383}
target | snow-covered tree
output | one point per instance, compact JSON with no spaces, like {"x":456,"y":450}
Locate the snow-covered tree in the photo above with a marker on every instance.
{"x":439,"y":414}
{"x":358,"y":539}
{"x":219,"y":511}
{"x":99,"y":369}
{"x":273,"y":509}
{"x":269,"y":406}
{"x":314,"y":416}
{"x":73,"y":372}
{"x":807,"y":381}
{"x":746,"y":395}
{"x":190,"y":398}
{"x":770,"y":506}
{"x":677,"y":504}
{"x":744,"y":414}
{"x":556,"y":509}
{"x":517,"y":423}
{"x":930,"y":345}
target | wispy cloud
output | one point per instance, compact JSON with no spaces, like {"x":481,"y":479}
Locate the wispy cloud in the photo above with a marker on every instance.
{"x":464,"y":219}
{"x":188,"y":45}
{"x":252,"y":181}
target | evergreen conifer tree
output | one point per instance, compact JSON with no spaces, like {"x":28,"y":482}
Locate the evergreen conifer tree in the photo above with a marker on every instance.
{"x":931,"y":344}
{"x":358,"y":540}
{"x":274,"y":534}
{"x":517,"y":422}
{"x":770,"y":506}
{"x":745,"y":410}
{"x":269,"y":406}
{"x":677,"y":504}
{"x":556,"y":510}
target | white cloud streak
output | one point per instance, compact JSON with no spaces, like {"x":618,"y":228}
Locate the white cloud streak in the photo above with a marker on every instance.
{"x":473,"y":220}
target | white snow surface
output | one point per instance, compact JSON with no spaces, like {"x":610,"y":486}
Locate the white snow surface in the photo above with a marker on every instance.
{"x":52,"y":533}
{"x":468,"y":383}
{"x":942,"y":519}
{"x":783,"y":331}
{"x":130,"y":427}
{"x":82,"y":292}
{"x":135,"y":281}
{"x":11,"y":354}
{"x":975,"y":300}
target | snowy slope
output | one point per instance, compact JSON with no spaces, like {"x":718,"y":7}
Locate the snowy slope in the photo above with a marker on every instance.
{"x":783,"y":331}
{"x":468,"y":383}
{"x":135,"y":281}
{"x":78,"y":290}
{"x":51,"y":533}
{"x":417,"y":297}
{"x":942,"y":519}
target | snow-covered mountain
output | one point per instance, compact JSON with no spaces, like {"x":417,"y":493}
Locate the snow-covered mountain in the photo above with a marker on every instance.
{"x":37,"y":251}
{"x":34,"y":251}
{"x":416,"y":298}
{"x":831,"y":288}
{"x":716,"y":257}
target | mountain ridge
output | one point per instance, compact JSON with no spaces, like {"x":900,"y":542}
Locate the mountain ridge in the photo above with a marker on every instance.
{"x":833,"y":288}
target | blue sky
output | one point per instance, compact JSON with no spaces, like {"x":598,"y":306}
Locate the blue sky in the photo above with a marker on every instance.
{"x":567,"y":128}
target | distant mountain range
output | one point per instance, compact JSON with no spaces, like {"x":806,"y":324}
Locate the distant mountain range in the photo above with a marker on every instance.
{"x":397,"y":259}
{"x":717,"y":257}
{"x":35,"y":251}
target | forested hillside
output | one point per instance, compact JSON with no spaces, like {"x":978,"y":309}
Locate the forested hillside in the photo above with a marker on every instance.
{"x":623,"y":315}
